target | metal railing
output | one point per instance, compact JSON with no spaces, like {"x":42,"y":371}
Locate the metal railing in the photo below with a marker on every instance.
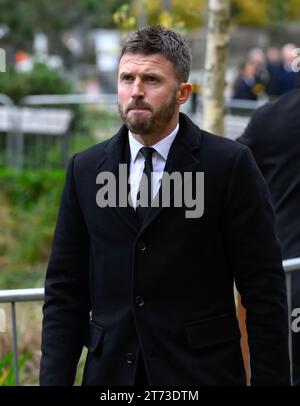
{"x":34,"y":295}
{"x":63,"y":99}
{"x":14,"y":296}
{"x":18,"y":120}
{"x":18,"y":137}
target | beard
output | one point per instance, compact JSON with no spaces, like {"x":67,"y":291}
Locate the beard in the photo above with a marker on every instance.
{"x":155,"y":118}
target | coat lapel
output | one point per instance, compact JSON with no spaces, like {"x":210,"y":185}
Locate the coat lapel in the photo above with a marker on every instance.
{"x":182,"y":156}
{"x":118,"y":152}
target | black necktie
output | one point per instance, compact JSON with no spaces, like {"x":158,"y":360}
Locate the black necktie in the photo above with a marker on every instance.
{"x":148,"y":169}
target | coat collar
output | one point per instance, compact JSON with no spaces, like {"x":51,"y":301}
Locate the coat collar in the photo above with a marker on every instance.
{"x":181,"y":158}
{"x":188,"y":139}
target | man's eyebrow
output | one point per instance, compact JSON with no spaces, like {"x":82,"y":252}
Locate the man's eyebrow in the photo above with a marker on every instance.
{"x":125,"y":73}
{"x":150,"y":73}
{"x":143,"y":74}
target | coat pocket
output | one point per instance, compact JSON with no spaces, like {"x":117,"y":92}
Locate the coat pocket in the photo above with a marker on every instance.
{"x":95,"y":337}
{"x":213,"y":331}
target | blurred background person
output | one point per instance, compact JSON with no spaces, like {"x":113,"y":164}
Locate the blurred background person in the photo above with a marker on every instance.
{"x":273,"y":59}
{"x":287,"y":76}
{"x":247,"y":85}
{"x":257,"y":57}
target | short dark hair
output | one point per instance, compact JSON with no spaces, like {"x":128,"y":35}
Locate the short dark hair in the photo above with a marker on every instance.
{"x":156,"y":39}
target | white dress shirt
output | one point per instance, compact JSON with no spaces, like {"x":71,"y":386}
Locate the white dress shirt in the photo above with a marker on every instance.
{"x":137,"y":162}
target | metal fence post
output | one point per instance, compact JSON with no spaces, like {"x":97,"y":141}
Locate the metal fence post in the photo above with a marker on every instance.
{"x":14,"y":296}
{"x":14,"y":138}
{"x":15,"y":342}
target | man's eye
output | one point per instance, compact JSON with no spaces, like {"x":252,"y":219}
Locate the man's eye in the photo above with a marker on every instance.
{"x":152,"y":79}
{"x":127,"y":78}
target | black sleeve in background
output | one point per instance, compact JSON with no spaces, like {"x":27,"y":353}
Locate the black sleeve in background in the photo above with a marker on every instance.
{"x":255,"y":257}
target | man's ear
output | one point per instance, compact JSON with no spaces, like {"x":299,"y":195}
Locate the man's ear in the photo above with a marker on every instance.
{"x":184,"y":91}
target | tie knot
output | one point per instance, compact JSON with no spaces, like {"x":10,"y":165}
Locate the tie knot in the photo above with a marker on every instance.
{"x":147,"y":153}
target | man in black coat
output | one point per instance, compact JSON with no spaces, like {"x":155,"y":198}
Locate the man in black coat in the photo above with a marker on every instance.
{"x":148,"y":288}
{"x":273,"y":135}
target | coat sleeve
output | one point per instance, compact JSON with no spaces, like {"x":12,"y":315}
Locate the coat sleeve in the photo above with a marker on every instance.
{"x":67,"y":305}
{"x":255,"y":258}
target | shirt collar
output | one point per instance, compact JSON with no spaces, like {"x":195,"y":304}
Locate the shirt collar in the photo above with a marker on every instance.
{"x":162,"y":147}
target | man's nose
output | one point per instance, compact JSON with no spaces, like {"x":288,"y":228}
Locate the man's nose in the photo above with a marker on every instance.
{"x":137,"y":90}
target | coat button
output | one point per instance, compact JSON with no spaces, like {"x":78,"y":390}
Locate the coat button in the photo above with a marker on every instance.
{"x":139,"y":301}
{"x":141,"y":245}
{"x":130,"y":358}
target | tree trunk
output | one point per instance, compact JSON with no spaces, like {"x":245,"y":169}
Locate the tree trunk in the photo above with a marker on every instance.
{"x":215,"y":65}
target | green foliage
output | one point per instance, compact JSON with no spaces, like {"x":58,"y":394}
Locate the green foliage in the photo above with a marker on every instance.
{"x":264,"y":12}
{"x":124,"y":19}
{"x":23,"y":189}
{"x":180,"y":15}
{"x":278,"y":10}
{"x":41,"y":80}
{"x":26,"y":227}
{"x":7,"y":374}
{"x":24,"y":17}
{"x":190,"y":14}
